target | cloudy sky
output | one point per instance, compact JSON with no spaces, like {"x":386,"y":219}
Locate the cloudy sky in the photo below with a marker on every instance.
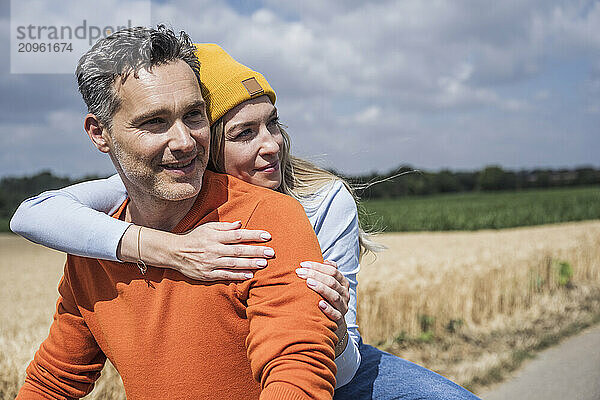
{"x":365,"y":86}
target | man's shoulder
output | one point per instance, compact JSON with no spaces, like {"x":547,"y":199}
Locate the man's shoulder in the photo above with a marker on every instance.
{"x":235,"y":185}
{"x":238,"y":188}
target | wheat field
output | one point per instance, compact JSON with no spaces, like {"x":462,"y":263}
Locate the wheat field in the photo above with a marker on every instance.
{"x":29,"y":277}
{"x":415,"y":298}
{"x":472,"y":305}
{"x":474,"y":277}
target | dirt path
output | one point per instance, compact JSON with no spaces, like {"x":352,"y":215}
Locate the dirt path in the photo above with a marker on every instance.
{"x":569,"y":371}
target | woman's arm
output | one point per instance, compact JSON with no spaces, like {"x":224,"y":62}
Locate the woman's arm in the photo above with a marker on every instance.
{"x":335,"y":222}
{"x":75,"y":220}
{"x":209,"y":252}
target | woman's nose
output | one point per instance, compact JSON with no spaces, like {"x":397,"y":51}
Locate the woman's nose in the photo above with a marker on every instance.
{"x":269,"y":144}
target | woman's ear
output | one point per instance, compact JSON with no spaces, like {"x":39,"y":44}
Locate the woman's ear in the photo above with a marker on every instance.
{"x":97,"y":132}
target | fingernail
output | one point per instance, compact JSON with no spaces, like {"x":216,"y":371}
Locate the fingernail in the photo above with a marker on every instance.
{"x":322,"y":305}
{"x":248,"y":275}
{"x":265,"y":236}
{"x":269,"y":252}
{"x":311,"y":282}
{"x":261,"y":263}
{"x":301,"y":272}
{"x":305,"y":264}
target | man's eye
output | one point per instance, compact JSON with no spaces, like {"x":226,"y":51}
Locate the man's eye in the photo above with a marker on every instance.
{"x":196,"y":115}
{"x":153,"y":121}
{"x":274,"y":121}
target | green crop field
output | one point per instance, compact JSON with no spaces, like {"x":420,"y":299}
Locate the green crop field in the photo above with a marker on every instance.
{"x":477,"y":210}
{"x":472,"y":211}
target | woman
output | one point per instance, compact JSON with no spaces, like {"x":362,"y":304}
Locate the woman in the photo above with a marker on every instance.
{"x":247,"y":142}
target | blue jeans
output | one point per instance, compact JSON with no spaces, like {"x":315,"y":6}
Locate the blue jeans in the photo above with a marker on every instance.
{"x":383,"y":376}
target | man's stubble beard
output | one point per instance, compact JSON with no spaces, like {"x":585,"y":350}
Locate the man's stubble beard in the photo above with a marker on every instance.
{"x":143,"y":178}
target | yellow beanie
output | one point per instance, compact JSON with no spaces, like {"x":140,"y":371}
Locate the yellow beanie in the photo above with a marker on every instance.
{"x":225,"y":82}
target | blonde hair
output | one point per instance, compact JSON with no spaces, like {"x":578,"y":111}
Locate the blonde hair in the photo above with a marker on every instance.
{"x":301,"y":179}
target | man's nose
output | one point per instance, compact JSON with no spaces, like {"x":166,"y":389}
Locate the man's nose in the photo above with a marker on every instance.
{"x":180,"y":138}
{"x":268,"y":143}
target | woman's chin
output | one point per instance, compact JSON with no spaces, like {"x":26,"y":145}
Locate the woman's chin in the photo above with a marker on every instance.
{"x":269,"y":181}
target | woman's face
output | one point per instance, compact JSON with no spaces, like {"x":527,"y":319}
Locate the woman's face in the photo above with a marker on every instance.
{"x":253,"y":142}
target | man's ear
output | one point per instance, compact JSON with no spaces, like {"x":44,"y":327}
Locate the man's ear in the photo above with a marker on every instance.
{"x":97,"y":132}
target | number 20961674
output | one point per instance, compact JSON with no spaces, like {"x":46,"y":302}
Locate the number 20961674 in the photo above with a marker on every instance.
{"x":45,"y":47}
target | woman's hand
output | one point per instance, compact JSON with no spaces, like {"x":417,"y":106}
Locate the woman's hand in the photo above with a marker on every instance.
{"x":209,"y":252}
{"x":326,"y":280}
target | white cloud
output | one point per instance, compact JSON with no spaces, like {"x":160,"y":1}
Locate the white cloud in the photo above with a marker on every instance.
{"x":368,"y":116}
{"x":542,"y":95}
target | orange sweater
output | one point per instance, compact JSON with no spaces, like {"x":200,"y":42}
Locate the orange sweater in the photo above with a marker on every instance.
{"x":176,"y":338}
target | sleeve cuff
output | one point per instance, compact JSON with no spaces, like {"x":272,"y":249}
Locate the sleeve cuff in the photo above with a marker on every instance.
{"x":281,"y":391}
{"x":104,"y":239}
{"x":347,"y":363}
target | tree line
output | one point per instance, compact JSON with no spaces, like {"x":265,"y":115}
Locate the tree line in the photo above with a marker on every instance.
{"x":407,"y":181}
{"x":13,"y":190}
{"x":404,"y":181}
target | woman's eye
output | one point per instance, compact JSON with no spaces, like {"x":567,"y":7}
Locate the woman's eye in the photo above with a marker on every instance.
{"x":274,"y":121}
{"x":244,"y":134}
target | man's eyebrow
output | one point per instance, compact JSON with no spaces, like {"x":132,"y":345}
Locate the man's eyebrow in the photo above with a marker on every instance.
{"x":197,"y":104}
{"x":158,"y":111}
{"x":148,"y":115}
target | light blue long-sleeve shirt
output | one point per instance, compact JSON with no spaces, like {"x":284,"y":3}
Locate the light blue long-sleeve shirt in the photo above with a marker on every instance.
{"x":75,"y":220}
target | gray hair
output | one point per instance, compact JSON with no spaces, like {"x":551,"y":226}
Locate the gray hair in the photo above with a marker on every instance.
{"x":125,"y":52}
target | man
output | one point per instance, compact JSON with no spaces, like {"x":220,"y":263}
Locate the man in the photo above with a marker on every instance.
{"x":168,"y":336}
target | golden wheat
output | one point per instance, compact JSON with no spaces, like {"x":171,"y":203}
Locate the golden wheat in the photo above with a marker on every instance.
{"x":29,"y":276}
{"x":477,"y":278}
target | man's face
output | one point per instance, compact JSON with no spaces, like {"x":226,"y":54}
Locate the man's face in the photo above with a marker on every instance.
{"x":160,"y":135}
